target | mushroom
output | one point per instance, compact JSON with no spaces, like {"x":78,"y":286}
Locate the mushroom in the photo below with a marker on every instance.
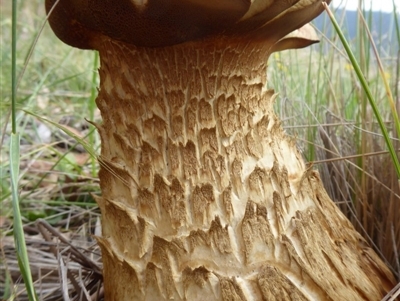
{"x":204,"y":197}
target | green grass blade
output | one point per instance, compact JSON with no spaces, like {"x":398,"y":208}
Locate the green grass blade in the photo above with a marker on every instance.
{"x":14,"y":65}
{"x":396,"y":21}
{"x":7,"y":286}
{"x":385,"y":81}
{"x":81,"y":141}
{"x":397,"y":26}
{"x":367,"y":91}
{"x":89,"y":149}
{"x":19,"y":238}
{"x":92,"y":107}
{"x":18,"y":230}
{"x":30,"y":52}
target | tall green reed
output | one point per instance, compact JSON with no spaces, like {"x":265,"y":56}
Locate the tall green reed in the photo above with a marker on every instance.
{"x":18,"y":230}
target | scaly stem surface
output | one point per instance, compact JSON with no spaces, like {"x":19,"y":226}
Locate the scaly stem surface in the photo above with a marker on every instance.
{"x":203,"y":195}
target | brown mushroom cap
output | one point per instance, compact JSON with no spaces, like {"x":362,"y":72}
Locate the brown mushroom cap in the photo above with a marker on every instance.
{"x":157,"y":23}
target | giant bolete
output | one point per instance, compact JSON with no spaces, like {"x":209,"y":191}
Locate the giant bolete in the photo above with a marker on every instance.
{"x":204,"y":197}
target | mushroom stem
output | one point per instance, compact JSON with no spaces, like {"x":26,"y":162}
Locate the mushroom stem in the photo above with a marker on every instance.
{"x":203,"y":195}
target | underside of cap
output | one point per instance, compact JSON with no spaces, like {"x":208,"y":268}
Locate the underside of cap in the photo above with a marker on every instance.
{"x":154,"y":23}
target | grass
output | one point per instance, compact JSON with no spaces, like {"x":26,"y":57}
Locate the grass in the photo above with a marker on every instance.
{"x":55,"y":175}
{"x":337,"y":130}
{"x":321,"y":103}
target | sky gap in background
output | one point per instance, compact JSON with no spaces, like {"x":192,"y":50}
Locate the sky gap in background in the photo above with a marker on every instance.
{"x":377,"y":5}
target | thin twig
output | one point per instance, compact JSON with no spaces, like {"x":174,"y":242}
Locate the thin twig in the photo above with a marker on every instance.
{"x":352,"y":157}
{"x":42,"y":228}
{"x":84,"y":260}
{"x":396,"y":253}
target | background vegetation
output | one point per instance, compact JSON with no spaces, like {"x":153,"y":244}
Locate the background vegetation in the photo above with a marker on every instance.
{"x":321,"y":103}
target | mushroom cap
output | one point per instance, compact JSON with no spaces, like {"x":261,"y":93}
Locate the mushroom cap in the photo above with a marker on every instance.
{"x":158,"y":23}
